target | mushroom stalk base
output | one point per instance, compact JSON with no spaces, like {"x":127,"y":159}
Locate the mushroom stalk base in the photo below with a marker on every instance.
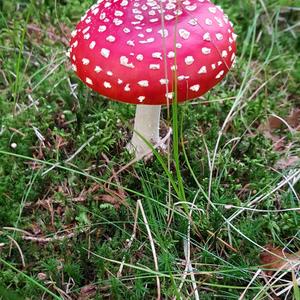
{"x":146,"y":124}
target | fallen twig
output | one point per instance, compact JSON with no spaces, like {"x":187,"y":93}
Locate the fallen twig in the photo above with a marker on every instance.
{"x":49,"y":239}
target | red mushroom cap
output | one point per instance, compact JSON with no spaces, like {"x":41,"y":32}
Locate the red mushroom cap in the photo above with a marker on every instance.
{"x":131,"y":51}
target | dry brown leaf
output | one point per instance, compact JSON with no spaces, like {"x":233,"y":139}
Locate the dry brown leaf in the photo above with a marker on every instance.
{"x":279,"y":260}
{"x":267,"y":129}
{"x":287,"y":162}
{"x":294,"y":119}
{"x":274,"y":123}
{"x":87,"y":292}
{"x":115,"y":200}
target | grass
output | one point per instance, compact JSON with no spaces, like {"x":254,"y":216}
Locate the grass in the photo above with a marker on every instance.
{"x":74,"y":222}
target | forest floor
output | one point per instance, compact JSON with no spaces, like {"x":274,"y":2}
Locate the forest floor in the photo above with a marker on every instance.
{"x":77,"y":223}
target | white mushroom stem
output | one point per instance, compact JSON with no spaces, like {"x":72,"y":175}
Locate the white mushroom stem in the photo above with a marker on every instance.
{"x":146,"y":124}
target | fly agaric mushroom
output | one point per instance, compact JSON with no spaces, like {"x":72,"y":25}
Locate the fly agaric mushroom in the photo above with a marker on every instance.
{"x":135,"y":51}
